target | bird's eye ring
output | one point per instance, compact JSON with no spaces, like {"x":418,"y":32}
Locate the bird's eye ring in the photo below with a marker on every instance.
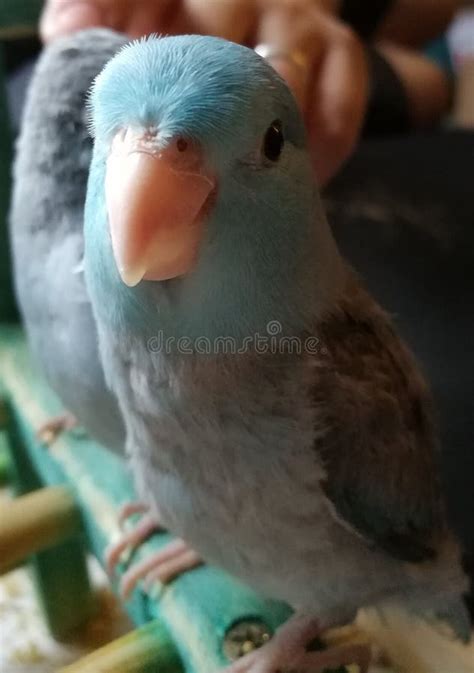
{"x":273,"y":141}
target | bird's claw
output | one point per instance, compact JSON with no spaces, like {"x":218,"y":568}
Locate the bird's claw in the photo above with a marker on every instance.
{"x":130,"y":508}
{"x":54,"y":427}
{"x":132,"y":538}
{"x":162,"y":566}
{"x":287,"y":652}
{"x":324,"y":661}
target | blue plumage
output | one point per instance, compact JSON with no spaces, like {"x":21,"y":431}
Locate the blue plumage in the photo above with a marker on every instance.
{"x":206,"y":88}
{"x":211,"y":91}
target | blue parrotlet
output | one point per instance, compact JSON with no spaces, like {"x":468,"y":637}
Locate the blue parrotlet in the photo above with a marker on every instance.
{"x":273,"y":416}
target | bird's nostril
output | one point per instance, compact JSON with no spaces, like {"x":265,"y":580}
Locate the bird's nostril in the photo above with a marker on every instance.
{"x":182,"y":145}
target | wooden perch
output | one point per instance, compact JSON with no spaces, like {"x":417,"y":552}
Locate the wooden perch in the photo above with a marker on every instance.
{"x":148,"y":649}
{"x":35,"y":522}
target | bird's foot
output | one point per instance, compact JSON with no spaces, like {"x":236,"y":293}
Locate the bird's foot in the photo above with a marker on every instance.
{"x":287,"y":652}
{"x":162,"y":566}
{"x":135,"y":536}
{"x":52,"y":429}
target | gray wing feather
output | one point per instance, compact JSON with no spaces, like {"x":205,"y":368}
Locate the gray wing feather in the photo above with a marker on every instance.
{"x":379,"y":448}
{"x":46,"y":221}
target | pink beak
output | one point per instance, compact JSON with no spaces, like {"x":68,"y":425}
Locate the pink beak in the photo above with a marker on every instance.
{"x":155,"y":197}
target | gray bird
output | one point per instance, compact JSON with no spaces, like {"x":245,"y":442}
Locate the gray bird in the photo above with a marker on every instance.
{"x":46,"y":221}
{"x":270,"y":406}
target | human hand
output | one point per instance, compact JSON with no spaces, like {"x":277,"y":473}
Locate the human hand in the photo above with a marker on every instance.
{"x":134,"y":17}
{"x":325,"y":64}
{"x":322,"y":60}
{"x":230,"y":19}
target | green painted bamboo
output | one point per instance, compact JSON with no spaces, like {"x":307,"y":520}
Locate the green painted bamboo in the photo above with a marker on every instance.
{"x":63,"y":588}
{"x":5,"y":462}
{"x":148,"y":649}
{"x":3,"y":405}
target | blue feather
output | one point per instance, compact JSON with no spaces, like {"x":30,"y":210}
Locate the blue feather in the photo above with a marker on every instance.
{"x":265,"y":228}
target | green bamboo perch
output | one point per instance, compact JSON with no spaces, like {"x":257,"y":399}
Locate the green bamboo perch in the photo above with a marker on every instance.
{"x":5,"y":462}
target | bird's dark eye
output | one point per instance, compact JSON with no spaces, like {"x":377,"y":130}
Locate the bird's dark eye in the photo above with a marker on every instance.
{"x":273,"y":141}
{"x":182,"y":144}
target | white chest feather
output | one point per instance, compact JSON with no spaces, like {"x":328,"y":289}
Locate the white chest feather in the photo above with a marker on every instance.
{"x":223,"y":450}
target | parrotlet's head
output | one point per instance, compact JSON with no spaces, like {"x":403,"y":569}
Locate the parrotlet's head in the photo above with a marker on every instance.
{"x":201,"y":170}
